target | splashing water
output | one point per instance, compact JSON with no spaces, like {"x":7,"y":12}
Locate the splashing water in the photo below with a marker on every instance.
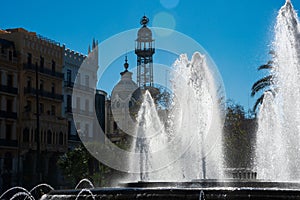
{"x":81,"y":182}
{"x":150,"y":139}
{"x":278,"y":138}
{"x":197,"y":119}
{"x":191,"y":145}
{"x":22,"y":192}
{"x":81,"y":194}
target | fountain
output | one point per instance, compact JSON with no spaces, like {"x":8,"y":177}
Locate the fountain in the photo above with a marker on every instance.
{"x":278,"y":149}
{"x":183,"y":159}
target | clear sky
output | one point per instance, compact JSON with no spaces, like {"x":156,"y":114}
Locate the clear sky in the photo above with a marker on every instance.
{"x":236,"y":33}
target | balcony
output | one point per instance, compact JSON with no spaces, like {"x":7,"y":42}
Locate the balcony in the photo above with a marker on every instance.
{"x":68,"y":110}
{"x":146,"y":52}
{"x":83,"y":112}
{"x":83,"y":87}
{"x":42,"y":93}
{"x":8,"y":143}
{"x":69,"y":84}
{"x":8,"y":89}
{"x":5,"y":56}
{"x":44,"y":71}
{"x":8,"y":115}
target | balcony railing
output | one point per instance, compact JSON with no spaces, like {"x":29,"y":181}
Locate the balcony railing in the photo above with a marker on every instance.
{"x":145,"y":52}
{"x":83,"y":87}
{"x":68,"y":109}
{"x":42,"y":93}
{"x":5,"y":56}
{"x":8,"y":143}
{"x":8,"y":89}
{"x":44,"y":71}
{"x":69,"y":84}
{"x":83,"y":112}
{"x":8,"y":115}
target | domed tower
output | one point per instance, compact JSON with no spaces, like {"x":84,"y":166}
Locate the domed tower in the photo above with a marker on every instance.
{"x":123,"y":97}
{"x":144,"y":49}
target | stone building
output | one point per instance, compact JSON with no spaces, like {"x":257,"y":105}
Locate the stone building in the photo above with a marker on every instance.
{"x":41,"y":130}
{"x":83,"y":96}
{"x":120,"y":108}
{"x":80,"y":72}
{"x":8,"y":112}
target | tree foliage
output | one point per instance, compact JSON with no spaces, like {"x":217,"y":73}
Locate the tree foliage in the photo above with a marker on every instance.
{"x":78,"y":164}
{"x":239,"y":137}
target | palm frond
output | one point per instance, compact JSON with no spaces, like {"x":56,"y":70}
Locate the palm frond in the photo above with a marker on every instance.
{"x":261,"y":84}
{"x":260,"y":100}
{"x":269,"y":65}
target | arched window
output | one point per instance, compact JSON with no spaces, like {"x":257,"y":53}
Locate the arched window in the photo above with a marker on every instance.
{"x":26,"y":135}
{"x":61,"y":138}
{"x":49,"y":137}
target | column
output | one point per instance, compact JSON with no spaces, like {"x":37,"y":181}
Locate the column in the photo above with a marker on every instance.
{"x":15,"y":80}
{"x":2,"y":103}
{"x":2,"y":128}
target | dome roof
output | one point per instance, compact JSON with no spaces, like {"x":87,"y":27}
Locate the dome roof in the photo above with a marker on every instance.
{"x":125,"y":87}
{"x":144,"y":34}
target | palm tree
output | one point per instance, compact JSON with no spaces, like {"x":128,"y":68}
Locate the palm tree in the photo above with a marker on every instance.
{"x":265,"y":84}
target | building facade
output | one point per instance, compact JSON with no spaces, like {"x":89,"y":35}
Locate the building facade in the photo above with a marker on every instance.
{"x":8,"y":113}
{"x":72,"y":62}
{"x":80,"y":72}
{"x":41,"y":130}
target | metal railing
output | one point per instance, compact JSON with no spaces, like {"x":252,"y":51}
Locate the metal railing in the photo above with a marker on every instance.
{"x":8,"y":89}
{"x":9,"y":115}
{"x":42,"y":93}
{"x":44,"y":70}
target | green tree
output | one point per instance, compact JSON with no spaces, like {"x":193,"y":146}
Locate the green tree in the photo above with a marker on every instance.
{"x":78,"y":164}
{"x":74,"y":164}
{"x":239,"y":137}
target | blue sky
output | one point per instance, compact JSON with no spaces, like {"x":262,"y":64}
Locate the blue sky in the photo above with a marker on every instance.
{"x":236,"y":33}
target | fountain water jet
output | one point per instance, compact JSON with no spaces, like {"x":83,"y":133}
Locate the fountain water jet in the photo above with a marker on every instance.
{"x":278,"y":149}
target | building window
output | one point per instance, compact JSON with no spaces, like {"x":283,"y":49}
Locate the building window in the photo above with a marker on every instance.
{"x":78,"y":103}
{"x":41,"y":108}
{"x":87,"y":80}
{"x":53,"y":110}
{"x":28,"y":82}
{"x":41,"y":85}
{"x":26,"y":135}
{"x":78,"y":79}
{"x":49,"y":137}
{"x":53,"y":88}
{"x":9,"y":105}
{"x":9,"y":80}
{"x":115,"y":126}
{"x":10,"y":54}
{"x":42,"y":62}
{"x":8,"y":131}
{"x":86,"y":130}
{"x":28,"y":106}
{"x":69,"y":76}
{"x":61,"y":138}
{"x":69,"y":127}
{"x":87,"y":105}
{"x":29,"y":59}
{"x":69,"y":102}
{"x":53,"y":66}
